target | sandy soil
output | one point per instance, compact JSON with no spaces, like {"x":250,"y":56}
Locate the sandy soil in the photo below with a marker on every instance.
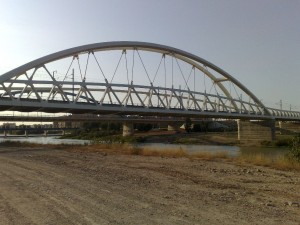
{"x":48,"y":186}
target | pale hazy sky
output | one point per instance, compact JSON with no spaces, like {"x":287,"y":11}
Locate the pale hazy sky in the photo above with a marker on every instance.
{"x":257,"y":41}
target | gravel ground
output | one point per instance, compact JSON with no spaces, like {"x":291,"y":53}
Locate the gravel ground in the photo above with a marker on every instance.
{"x":49,"y":186}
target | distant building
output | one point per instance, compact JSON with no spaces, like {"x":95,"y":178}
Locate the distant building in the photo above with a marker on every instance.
{"x":9,"y":125}
{"x":41,"y":125}
{"x":73,"y":123}
{"x":68,"y":124}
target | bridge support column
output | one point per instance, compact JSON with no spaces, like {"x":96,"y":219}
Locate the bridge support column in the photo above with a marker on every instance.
{"x":128,"y":129}
{"x":173,"y":127}
{"x":289,"y":127}
{"x":256,"y":131}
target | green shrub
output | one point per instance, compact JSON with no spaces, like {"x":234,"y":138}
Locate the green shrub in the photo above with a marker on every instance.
{"x":118,"y":139}
{"x":294,"y":152}
{"x":282,"y":142}
{"x":266,"y":143}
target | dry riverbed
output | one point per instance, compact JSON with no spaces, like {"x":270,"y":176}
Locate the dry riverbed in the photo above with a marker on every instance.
{"x":41,"y":185}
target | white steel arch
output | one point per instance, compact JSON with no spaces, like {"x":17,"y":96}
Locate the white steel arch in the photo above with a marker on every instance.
{"x":27,"y":94}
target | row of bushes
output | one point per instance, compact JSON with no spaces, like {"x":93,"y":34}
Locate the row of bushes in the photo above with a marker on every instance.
{"x":97,"y":136}
{"x":118,"y":139}
{"x":89,"y":135}
{"x":293,"y":143}
{"x":294,"y":152}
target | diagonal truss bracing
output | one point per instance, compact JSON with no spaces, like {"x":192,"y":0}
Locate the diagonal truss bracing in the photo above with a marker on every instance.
{"x":24,"y":90}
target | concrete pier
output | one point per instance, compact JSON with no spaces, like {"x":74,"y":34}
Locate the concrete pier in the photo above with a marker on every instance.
{"x":173,"y":127}
{"x":286,"y":127}
{"x":128,"y":129}
{"x":256,"y":131}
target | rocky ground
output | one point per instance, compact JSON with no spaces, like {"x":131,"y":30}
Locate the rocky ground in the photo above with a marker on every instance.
{"x":43,"y":185}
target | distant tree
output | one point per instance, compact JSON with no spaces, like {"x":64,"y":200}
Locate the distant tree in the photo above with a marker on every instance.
{"x":197,"y":127}
{"x":143,"y":126}
{"x":104,"y":126}
{"x":88,"y":126}
{"x":115,"y":126}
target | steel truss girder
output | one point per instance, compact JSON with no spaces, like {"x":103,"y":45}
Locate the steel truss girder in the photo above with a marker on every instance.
{"x":154,"y":97}
{"x":17,"y":92}
{"x":175,"y":98}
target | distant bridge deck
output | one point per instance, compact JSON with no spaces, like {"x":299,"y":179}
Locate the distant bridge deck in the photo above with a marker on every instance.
{"x":36,"y":128}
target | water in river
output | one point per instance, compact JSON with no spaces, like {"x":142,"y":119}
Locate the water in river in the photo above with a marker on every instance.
{"x":231,"y":150}
{"x":44,"y":140}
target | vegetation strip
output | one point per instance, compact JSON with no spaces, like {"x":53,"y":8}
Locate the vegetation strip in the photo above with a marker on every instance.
{"x":290,"y":161}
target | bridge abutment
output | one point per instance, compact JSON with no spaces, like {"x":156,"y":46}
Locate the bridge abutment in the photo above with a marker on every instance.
{"x":128,"y":129}
{"x":256,"y":131}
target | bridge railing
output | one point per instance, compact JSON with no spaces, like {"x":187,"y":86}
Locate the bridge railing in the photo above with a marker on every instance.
{"x":126,"y":95}
{"x":283,"y":113}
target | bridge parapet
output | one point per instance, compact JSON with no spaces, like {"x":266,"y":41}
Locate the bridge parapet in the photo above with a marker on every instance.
{"x":167,"y":100}
{"x":289,"y":127}
{"x":280,"y":114}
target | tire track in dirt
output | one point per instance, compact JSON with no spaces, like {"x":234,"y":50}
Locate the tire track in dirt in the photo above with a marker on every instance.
{"x":43,"y":183}
{"x":65,"y":187}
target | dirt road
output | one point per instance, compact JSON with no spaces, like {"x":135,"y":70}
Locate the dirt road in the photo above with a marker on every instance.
{"x":48,"y":186}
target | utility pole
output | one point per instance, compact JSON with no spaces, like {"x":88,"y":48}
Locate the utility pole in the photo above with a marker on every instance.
{"x":73,"y":85}
{"x":280,"y":103}
{"x":55,"y":71}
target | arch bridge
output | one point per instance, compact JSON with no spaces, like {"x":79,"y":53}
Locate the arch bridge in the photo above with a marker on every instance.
{"x":131,"y":78}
